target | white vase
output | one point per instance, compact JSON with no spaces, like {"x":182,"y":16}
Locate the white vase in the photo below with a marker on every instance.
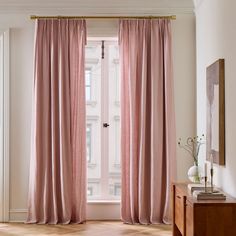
{"x":194,"y":174}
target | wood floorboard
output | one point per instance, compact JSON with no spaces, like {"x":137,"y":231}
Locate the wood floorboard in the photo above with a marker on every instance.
{"x":90,"y":228}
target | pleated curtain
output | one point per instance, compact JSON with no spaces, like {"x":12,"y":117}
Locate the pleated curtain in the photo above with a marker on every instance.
{"x":148,"y":148}
{"x":57,"y":189}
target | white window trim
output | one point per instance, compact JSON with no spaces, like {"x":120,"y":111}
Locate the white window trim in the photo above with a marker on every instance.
{"x":4,"y":136}
{"x":104,"y":132}
{"x":117,"y":163}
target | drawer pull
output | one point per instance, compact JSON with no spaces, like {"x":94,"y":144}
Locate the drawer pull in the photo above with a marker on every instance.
{"x":178,"y":197}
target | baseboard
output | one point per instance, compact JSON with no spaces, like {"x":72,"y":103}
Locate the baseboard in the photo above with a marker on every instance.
{"x":17,"y":215}
{"x":103,"y":211}
{"x":95,"y":211}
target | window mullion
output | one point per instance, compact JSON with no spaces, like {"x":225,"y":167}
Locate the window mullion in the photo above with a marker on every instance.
{"x":105,"y":133}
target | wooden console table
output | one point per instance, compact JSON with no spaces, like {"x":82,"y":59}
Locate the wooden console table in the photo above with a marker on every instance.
{"x":192,"y":217}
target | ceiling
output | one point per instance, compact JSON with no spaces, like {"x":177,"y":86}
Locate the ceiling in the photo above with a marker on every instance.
{"x":105,"y":7}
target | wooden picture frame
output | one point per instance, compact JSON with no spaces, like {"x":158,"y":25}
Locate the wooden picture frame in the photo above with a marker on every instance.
{"x":215,"y":136}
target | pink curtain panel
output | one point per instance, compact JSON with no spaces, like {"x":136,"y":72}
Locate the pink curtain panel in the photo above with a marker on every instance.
{"x":148,"y":141}
{"x":57,"y":189}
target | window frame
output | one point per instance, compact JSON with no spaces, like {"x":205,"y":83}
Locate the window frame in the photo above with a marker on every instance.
{"x":104,"y":178}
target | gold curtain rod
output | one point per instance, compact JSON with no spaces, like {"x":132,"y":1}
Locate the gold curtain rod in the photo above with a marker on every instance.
{"x":33,"y":17}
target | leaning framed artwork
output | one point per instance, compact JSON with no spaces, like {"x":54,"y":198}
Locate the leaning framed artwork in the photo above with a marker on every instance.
{"x":215,"y":136}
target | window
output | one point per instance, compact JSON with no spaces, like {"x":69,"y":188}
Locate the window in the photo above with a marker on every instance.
{"x":103,"y":106}
{"x":88,"y":91}
{"x":88,"y":142}
{"x":90,"y":191}
{"x":117,"y":189}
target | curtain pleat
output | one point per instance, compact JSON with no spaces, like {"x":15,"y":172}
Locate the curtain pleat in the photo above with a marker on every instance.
{"x":148,"y":149}
{"x":57,"y":188}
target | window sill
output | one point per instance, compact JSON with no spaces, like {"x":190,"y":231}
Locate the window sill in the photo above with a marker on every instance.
{"x":104,"y":202}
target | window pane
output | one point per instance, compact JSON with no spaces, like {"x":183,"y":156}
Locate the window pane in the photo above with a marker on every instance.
{"x":88,"y":93}
{"x":93,"y":117}
{"x":88,"y":84}
{"x":93,"y":189}
{"x":114,"y":120}
{"x":88,"y":139}
{"x":87,"y":77}
{"x":117,"y":191}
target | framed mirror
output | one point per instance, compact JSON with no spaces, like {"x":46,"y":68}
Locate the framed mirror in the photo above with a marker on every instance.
{"x":215,"y":136}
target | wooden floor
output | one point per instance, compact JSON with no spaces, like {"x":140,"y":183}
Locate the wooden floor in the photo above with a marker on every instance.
{"x":92,"y":228}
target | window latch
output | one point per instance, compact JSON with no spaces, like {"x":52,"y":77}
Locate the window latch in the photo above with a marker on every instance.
{"x":103,"y":46}
{"x":105,"y":125}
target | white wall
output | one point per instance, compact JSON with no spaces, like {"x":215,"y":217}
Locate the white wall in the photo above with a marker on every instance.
{"x":216,"y":37}
{"x":184,"y":82}
{"x":21,"y":64}
{"x":1,"y":123}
